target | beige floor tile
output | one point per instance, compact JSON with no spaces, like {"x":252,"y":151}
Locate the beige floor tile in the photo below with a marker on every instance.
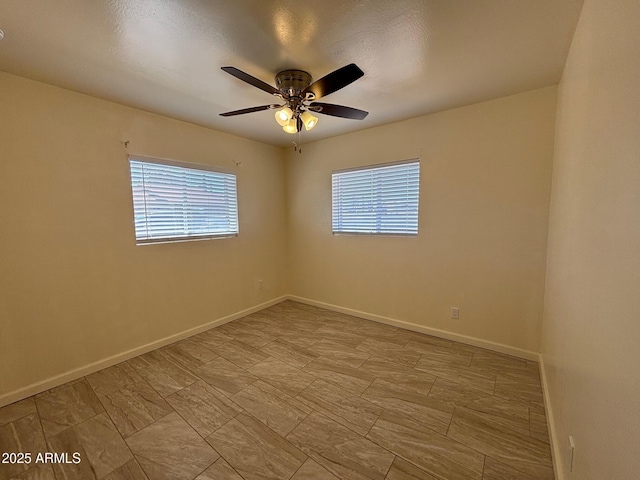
{"x":538,"y":426}
{"x":347,"y":409}
{"x":382,"y":333}
{"x":170,"y":449}
{"x":299,"y":306}
{"x":338,"y":322}
{"x":461,"y":374}
{"x":404,"y":375}
{"x":534,"y":368}
{"x":436,"y":454}
{"x":428,"y":339}
{"x":405,"y":403}
{"x":161,"y":373}
{"x":228,"y":327}
{"x":64,"y":407}
{"x":113,"y":379}
{"x":203,"y":407}
{"x":251,"y":337}
{"x":99,"y":444}
{"x":518,"y":388}
{"x":351,"y":379}
{"x":456,"y":393}
{"x":301,"y":340}
{"x":348,"y":322}
{"x":281,"y":375}
{"x":240,"y":354}
{"x":469,"y":348}
{"x":529,"y":376}
{"x":495,"y":470}
{"x":211,"y":339}
{"x":403,"y":470}
{"x":390,"y":351}
{"x":300,"y":312}
{"x":274,"y":408}
{"x":540,"y":410}
{"x":21,"y":435}
{"x":433,"y":354}
{"x":275,"y":327}
{"x":294,"y":391}
{"x":14,"y":411}
{"x":340,"y":336}
{"x":344,"y":453}
{"x":263,"y":316}
{"x":219,"y":470}
{"x":134,"y":407}
{"x":189,"y":353}
{"x":259,"y":324}
{"x":311,"y":470}
{"x":499,"y":363}
{"x":255,"y":451}
{"x":339,"y":352}
{"x":288,"y":326}
{"x":225,"y":376}
{"x":36,"y":472}
{"x":506,"y":413}
{"x":514,"y":449}
{"x":129,"y":471}
{"x":290,"y":353}
{"x":60,"y":387}
{"x":305,"y":327}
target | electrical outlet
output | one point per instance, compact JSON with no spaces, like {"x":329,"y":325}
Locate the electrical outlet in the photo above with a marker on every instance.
{"x":454,"y":313}
{"x":260,"y":285}
{"x":572,"y":449}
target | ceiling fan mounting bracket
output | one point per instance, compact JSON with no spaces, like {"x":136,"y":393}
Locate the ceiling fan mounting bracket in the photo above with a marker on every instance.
{"x":293,"y":82}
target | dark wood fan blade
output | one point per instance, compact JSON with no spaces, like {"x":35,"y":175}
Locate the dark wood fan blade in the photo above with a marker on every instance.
{"x":249,"y":110}
{"x":335,"y":80}
{"x":338,"y":110}
{"x":245,"y":77}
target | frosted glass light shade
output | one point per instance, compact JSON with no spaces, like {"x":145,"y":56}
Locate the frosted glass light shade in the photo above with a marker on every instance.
{"x":309,"y":120}
{"x":283,"y":116}
{"x":291,"y":127}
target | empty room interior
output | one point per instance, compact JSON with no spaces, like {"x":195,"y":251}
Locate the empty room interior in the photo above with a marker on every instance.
{"x":355,"y":240}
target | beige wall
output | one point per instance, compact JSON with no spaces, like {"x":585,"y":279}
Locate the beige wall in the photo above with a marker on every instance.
{"x":484,"y":200}
{"x":74,"y":287}
{"x":591,"y":337}
{"x":72,"y":276}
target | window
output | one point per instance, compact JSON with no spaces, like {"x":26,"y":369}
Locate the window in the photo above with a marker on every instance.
{"x":173,"y":202}
{"x":377,"y":200}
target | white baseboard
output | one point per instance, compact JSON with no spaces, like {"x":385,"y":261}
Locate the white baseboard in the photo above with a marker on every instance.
{"x":69,"y":376}
{"x":551,"y":425}
{"x":476,"y":342}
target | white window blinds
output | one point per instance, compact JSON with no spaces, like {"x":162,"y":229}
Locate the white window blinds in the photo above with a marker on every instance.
{"x":173,"y":203}
{"x":377,"y":200}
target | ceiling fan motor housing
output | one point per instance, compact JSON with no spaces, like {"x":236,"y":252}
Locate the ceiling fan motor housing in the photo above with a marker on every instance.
{"x":293,"y":82}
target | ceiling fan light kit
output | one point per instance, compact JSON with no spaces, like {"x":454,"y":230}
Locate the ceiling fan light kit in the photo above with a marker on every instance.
{"x":298,"y":91}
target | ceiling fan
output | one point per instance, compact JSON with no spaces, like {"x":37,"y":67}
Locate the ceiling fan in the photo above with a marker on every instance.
{"x":298,"y":91}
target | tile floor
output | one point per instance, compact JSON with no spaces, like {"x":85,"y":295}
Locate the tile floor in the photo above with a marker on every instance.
{"x":292,"y":392}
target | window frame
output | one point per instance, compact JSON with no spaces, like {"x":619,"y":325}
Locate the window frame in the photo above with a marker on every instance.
{"x":416,"y":160}
{"x":188,"y":166}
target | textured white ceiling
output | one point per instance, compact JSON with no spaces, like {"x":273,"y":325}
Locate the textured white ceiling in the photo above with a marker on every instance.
{"x":164,"y":56}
